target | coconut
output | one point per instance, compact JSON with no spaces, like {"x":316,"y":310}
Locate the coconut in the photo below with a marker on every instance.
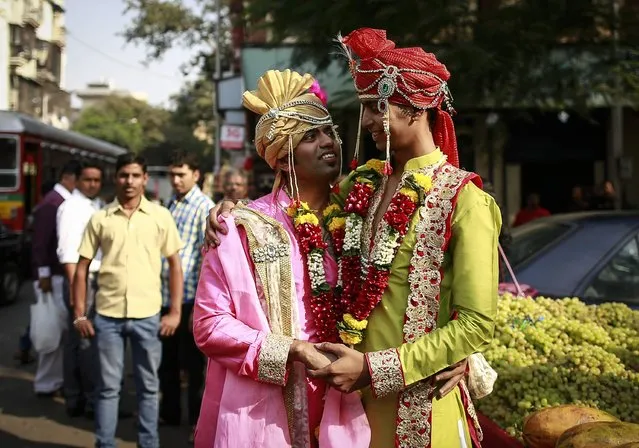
{"x":600,"y":435}
{"x":543,"y":428}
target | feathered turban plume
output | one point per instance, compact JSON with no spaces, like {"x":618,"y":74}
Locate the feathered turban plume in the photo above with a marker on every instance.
{"x":402,"y":76}
{"x":290,"y":104}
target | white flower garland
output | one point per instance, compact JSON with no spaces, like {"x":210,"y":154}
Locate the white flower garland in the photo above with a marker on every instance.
{"x":353,"y":234}
{"x":384,"y":250}
{"x":365,"y":264}
{"x":316,"y":273}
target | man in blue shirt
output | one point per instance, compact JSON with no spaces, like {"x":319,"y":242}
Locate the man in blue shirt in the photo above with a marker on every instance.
{"x":190,"y":208}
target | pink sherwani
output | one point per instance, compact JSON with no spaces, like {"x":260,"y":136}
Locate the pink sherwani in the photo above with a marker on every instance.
{"x":241,"y":408}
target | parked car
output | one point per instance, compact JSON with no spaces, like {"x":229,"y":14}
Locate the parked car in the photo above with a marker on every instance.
{"x":10,"y":277}
{"x":590,"y":255}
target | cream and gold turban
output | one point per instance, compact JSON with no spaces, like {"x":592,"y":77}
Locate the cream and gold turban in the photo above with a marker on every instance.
{"x":288,"y":110}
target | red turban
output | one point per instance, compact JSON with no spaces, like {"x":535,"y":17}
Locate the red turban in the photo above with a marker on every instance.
{"x":411,"y":76}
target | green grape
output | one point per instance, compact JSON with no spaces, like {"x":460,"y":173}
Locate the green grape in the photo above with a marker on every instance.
{"x":550,"y":352}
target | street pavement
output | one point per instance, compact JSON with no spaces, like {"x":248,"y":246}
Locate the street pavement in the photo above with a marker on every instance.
{"x":27,"y":421}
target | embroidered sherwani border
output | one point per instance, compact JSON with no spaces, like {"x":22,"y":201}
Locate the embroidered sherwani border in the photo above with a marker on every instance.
{"x":471,"y":412}
{"x":433,"y":232}
{"x":387,"y":375}
{"x":414,"y":414}
{"x":269,"y":245}
{"x":273,"y":358}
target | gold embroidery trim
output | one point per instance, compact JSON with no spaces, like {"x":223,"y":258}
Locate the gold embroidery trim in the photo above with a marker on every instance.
{"x":272,"y":254}
{"x":273,"y":347}
{"x":413,"y":416}
{"x":428,"y":254}
{"x":271,"y":363}
{"x":387,"y":375}
{"x":415,"y":403}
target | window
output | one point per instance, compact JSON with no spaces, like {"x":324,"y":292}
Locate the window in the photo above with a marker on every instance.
{"x":619,"y":279}
{"x":15,"y":34}
{"x":9,"y":169}
{"x":531,"y":239}
{"x":55,"y":61}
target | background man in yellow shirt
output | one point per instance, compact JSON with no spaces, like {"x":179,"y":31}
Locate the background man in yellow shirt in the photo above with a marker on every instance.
{"x":133,"y":234}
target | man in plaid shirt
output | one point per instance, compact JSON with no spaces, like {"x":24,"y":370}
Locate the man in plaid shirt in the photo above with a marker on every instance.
{"x":190,"y":208}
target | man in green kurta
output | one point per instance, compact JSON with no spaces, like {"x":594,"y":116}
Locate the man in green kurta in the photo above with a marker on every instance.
{"x":427,"y":296}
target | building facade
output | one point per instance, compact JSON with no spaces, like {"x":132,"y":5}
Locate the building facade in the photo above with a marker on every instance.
{"x":97,"y":92}
{"x":33,"y":60}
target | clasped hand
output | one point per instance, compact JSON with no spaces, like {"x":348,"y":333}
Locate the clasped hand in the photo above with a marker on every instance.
{"x":339,"y":366}
{"x":347,"y":370}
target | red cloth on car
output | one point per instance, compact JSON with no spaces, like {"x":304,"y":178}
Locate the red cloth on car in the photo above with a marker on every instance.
{"x":494,"y":436}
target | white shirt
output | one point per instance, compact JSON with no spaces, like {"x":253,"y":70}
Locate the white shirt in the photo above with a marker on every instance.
{"x":58,"y":188}
{"x":72,"y":219}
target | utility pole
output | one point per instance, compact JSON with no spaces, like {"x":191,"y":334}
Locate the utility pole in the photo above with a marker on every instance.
{"x":216,"y":80}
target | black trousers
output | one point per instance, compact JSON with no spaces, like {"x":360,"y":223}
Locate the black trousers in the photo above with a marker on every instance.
{"x":179,"y":352}
{"x":80,"y":362}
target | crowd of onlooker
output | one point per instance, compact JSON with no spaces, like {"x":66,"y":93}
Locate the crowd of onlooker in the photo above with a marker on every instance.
{"x":124,"y":273}
{"x":603,"y":197}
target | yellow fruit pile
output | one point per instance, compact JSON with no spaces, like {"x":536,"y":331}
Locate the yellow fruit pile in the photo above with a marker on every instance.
{"x":551,"y":352}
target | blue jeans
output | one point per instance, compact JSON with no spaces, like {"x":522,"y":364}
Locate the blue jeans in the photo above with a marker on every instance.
{"x":146,"y":348}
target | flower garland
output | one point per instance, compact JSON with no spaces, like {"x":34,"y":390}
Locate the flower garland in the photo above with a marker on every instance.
{"x":360,"y":294}
{"x":355,"y":295}
{"x":312,"y":247}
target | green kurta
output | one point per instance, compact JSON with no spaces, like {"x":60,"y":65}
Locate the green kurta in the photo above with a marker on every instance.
{"x":469,"y":286}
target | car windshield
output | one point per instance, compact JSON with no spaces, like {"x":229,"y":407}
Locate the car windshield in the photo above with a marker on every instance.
{"x":619,"y":279}
{"x":532,"y":238}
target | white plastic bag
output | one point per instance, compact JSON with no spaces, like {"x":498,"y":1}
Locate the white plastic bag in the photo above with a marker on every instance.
{"x":47,"y":323}
{"x":481,"y":377}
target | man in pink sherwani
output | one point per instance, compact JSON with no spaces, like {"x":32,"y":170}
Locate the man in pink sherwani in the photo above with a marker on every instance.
{"x":258,"y":307}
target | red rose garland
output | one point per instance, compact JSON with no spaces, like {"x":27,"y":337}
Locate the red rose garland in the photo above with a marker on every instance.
{"x":359,"y":297}
{"x":312,"y":246}
{"x":354,"y":297}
